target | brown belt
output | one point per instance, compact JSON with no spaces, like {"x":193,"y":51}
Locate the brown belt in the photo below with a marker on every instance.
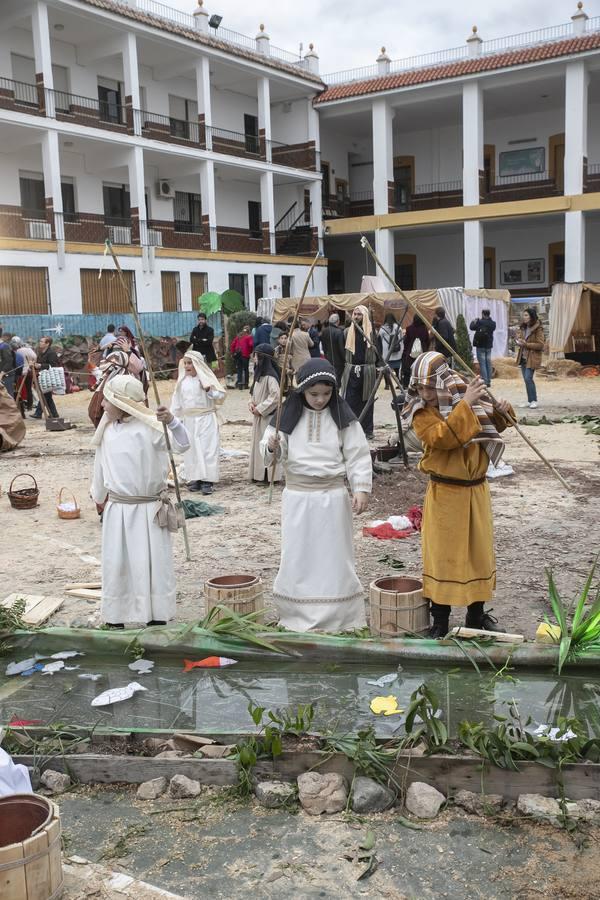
{"x":439,"y":479}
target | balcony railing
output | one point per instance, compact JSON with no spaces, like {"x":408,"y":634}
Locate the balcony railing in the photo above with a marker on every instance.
{"x":181,"y":227}
{"x":160,"y":127}
{"x":85,"y":110}
{"x":235,"y":143}
{"x":19,"y":93}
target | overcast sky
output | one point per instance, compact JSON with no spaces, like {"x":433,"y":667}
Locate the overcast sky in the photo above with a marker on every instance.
{"x":349,"y":33}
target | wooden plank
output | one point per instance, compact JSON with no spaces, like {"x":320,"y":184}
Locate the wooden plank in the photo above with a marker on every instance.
{"x":76,"y":585}
{"x":93,"y":769}
{"x":53,"y":832}
{"x":37,"y":872}
{"x":461,"y":631}
{"x":31,"y":600}
{"x":12,"y":881}
{"x":85,"y":593}
{"x":43,"y":610}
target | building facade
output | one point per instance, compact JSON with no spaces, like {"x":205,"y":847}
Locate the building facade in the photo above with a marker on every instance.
{"x":194,"y":149}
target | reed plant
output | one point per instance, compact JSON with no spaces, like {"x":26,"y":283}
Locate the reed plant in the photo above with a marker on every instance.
{"x":579,"y":625}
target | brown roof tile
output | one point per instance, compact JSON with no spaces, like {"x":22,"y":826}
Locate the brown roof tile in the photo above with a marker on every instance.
{"x":199,"y":37}
{"x":471,"y":66}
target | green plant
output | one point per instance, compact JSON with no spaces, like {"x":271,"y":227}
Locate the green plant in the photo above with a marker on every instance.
{"x":223,"y":621}
{"x":295,"y":722}
{"x":367,"y":756}
{"x":582,"y":634}
{"x":463,"y":341}
{"x":423,"y":721}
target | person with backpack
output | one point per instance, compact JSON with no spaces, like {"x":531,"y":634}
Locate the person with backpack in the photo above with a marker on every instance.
{"x":483,"y":341}
{"x":416,"y":341}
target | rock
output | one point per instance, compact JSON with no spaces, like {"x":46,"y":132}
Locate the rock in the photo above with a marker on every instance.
{"x":57,"y":782}
{"x":216,"y":751}
{"x":171,"y":754}
{"x":274,"y":794}
{"x":479,"y":804}
{"x":322,"y":793}
{"x":368,"y":796}
{"x":181,"y":787}
{"x":152,"y":789}
{"x":588,"y":810}
{"x":423,"y":801}
{"x":543,"y":809}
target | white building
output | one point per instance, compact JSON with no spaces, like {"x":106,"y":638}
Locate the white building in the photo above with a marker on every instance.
{"x":194,"y":149}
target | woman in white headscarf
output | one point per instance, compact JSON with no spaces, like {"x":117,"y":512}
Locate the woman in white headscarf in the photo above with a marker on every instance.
{"x":360,"y":371}
{"x":130,"y":487}
{"x":196,"y":398}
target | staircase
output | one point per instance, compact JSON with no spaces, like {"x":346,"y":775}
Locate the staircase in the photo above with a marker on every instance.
{"x":296,"y":241}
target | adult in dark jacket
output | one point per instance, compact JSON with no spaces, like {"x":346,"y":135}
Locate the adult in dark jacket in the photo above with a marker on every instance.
{"x":417,"y":330}
{"x":262,"y":332}
{"x":202,"y":338}
{"x":332,"y":341}
{"x":8,"y":364}
{"x":443,"y":327}
{"x":483,"y":341}
{"x":47,"y":359}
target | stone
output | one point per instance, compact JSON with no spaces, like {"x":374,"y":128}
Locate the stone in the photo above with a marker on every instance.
{"x":326,"y":793}
{"x":544,"y":809}
{"x":588,"y":810}
{"x":150,"y":790}
{"x":479,"y":804}
{"x":171,"y":754}
{"x":181,"y":787}
{"x":274,"y":794}
{"x":216,"y":751}
{"x":423,"y":800}
{"x":57,"y":782}
{"x":368,"y":796}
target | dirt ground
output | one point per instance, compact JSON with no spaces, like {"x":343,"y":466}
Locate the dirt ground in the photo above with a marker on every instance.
{"x":538,"y":523}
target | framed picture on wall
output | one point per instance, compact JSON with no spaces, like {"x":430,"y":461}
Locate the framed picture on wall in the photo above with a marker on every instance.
{"x":529,"y":161}
{"x":517,"y":272}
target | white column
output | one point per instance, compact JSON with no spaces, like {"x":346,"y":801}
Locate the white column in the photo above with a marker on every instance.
{"x":137,"y":193}
{"x":384,"y":248}
{"x":473,"y":255}
{"x":576,"y":116}
{"x":131,"y":78}
{"x":316,"y":211}
{"x":383,"y":155}
{"x":42,"y":53}
{"x":52,"y":189}
{"x":575,"y":246}
{"x":472,"y":121}
{"x":209,"y":203}
{"x":267,"y":206}
{"x":264,"y":114}
{"x":204,"y":99}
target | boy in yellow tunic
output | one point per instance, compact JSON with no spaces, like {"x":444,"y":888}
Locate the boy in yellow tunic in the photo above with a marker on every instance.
{"x":459,"y":433}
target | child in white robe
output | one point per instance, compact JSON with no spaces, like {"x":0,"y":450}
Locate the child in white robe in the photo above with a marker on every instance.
{"x":130,"y":486}
{"x":263,"y":402}
{"x":320,"y":444}
{"x":195,"y":401}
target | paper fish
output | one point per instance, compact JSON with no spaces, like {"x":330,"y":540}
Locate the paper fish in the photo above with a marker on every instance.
{"x":51,"y":668}
{"x":36,"y":668}
{"x":23,"y":722}
{"x":89,"y":676}
{"x":210,"y":662}
{"x":66,"y":654}
{"x":115,"y":695}
{"x":386,"y":705}
{"x":142,"y":666}
{"x":385,"y":679}
{"x":16,"y":668}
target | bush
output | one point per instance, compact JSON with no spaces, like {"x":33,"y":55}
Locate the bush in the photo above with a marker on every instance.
{"x":234,"y":325}
{"x":463,"y":341}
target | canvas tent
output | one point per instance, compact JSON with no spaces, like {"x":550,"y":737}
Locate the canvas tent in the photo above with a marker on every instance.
{"x":571,"y":316}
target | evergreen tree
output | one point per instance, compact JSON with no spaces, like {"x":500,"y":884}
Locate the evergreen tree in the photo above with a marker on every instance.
{"x":463,"y":341}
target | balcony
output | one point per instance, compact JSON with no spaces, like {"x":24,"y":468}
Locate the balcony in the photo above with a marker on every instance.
{"x":20,"y":96}
{"x":176,"y":234}
{"x":528,"y":186}
{"x":166,"y":128}
{"x":438,"y":195}
{"x":86,"y":111}
{"x":235,"y":143}
{"x":591,"y":178}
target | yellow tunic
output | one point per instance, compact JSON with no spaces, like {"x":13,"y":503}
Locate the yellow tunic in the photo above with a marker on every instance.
{"x":459,"y":564}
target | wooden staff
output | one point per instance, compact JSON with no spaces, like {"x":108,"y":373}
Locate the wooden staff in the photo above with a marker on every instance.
{"x":286,"y":355}
{"x":138,"y":326}
{"x":365,"y":243}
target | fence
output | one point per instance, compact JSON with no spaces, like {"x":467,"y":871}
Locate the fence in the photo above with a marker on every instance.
{"x":158,"y":324}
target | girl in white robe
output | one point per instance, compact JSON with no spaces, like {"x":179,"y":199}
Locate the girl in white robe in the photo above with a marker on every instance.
{"x":195,"y":400}
{"x":130,"y":486}
{"x":320,"y":445}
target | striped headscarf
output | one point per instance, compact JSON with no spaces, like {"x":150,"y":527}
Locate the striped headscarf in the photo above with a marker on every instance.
{"x":431,"y":370}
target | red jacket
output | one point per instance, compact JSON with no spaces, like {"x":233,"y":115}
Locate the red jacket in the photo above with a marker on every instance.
{"x":244,"y":344}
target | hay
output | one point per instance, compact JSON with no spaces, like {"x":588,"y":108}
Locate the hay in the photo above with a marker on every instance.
{"x":562,"y":368}
{"x":506,"y":367}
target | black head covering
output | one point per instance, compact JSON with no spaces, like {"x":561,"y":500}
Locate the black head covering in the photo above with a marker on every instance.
{"x":315,"y":371}
{"x":266,"y":364}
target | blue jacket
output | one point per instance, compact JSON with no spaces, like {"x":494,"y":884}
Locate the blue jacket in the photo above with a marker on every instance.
{"x":262,"y":334}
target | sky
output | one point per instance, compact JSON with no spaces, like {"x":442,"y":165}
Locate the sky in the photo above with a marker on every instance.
{"x":350,"y":33}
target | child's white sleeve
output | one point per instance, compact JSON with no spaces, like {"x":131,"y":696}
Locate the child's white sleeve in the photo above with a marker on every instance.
{"x":175,"y":406}
{"x":357,"y":457}
{"x":266,"y":454}
{"x":98,"y":488}
{"x":216,"y":395}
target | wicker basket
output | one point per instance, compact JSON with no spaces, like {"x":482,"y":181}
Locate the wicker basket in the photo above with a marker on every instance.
{"x":25,"y":498}
{"x":67,"y":513}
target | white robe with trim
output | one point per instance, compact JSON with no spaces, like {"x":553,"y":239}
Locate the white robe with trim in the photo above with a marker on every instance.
{"x":317,"y":588}
{"x":201,"y":461}
{"x":138,"y":579}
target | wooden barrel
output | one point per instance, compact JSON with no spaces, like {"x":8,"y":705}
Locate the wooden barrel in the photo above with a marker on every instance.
{"x":398,"y":607}
{"x":30,"y":862}
{"x":240,"y":593}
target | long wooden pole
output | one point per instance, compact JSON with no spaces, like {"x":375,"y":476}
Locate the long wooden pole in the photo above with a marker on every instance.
{"x":138,"y":325}
{"x":286,"y":356}
{"x":365,"y":243}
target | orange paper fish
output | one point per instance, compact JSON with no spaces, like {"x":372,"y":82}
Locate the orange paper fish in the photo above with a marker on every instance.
{"x":210,"y":662}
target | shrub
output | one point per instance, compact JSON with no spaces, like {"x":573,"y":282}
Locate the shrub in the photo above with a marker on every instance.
{"x":463,"y":341}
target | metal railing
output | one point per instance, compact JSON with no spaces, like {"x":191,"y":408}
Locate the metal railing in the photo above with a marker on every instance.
{"x":528,"y":38}
{"x":181,"y":227}
{"x":87,"y":107}
{"x":438,"y":187}
{"x":21,"y":92}
{"x":593,"y":169}
{"x":521,"y":178}
{"x":162,"y":11}
{"x":283,"y":224}
{"x":251,"y":143}
{"x":167,"y":125}
{"x":360,"y":196}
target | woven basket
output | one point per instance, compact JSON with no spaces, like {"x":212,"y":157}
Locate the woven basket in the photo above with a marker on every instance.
{"x":67,"y":513}
{"x":25,"y":498}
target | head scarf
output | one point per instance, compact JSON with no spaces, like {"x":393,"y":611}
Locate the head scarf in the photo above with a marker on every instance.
{"x":126,"y":332}
{"x":365,"y":326}
{"x":206,"y":376}
{"x":431,"y":370}
{"x":126,"y":393}
{"x":266,"y":364}
{"x":315,"y":371}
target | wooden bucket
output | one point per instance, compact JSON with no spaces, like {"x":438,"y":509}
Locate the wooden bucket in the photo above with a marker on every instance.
{"x":398,"y":607}
{"x":241,"y":594}
{"x":30,"y":861}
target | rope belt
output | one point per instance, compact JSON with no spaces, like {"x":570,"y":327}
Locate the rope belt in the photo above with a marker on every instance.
{"x":439,"y":479}
{"x":197,"y":411}
{"x":306,"y":483}
{"x":167,"y":514}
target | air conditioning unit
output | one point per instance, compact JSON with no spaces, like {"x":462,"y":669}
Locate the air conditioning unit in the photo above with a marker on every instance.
{"x":165,"y":189}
